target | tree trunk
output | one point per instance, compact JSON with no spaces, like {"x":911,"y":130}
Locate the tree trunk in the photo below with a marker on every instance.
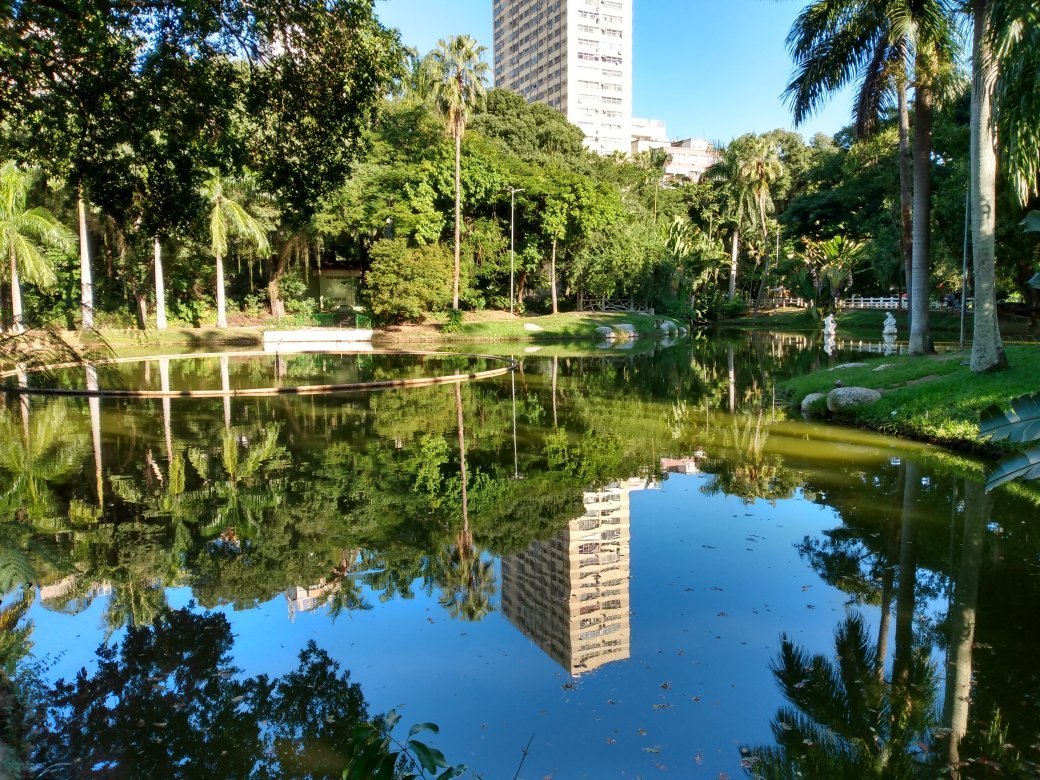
{"x":962,"y":614}
{"x":905,"y":598}
{"x":221,"y":303}
{"x":17,"y":322}
{"x":160,"y":288}
{"x":276,"y":269}
{"x":732,"y":376}
{"x":987,"y":348}
{"x":733,"y":265}
{"x":555,"y":373}
{"x":141,"y":306}
{"x":920,"y":338}
{"x":552,"y":278}
{"x":86,"y":271}
{"x":225,"y":389}
{"x":906,"y":193}
{"x":468,"y":542}
{"x":94,"y":404}
{"x":458,"y":220}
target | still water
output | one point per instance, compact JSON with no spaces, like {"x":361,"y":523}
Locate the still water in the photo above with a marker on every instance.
{"x":609,"y":564}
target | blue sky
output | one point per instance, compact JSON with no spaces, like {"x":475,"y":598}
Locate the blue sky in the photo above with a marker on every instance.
{"x":712,"y":69}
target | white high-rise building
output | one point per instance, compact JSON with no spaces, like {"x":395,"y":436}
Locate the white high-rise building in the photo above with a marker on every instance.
{"x":573,"y":55}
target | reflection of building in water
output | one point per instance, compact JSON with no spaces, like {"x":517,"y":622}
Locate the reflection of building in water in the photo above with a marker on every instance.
{"x":306,"y":599}
{"x":570,"y":594}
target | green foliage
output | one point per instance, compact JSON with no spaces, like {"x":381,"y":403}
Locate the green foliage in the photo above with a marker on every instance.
{"x":375,"y":754}
{"x":453,"y":321}
{"x":405,"y":283}
{"x":1020,"y":425}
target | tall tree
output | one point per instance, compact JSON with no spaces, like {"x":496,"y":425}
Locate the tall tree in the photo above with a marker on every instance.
{"x":1005,"y":83}
{"x":24,"y":232}
{"x":229,"y":217}
{"x":457,"y":87}
{"x":834,"y":42}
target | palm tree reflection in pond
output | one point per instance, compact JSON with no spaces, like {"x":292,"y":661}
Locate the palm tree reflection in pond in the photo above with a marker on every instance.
{"x":465,"y":576}
{"x":745,"y":470}
{"x":841,"y":723}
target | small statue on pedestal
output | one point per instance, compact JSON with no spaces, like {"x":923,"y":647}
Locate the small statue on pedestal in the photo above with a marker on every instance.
{"x":830,"y":325}
{"x":890,"y":325}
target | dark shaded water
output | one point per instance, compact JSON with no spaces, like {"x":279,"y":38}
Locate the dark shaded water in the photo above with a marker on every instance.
{"x":610,"y":584}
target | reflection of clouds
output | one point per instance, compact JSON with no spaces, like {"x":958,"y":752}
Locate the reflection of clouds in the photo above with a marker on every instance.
{"x":570,"y":595}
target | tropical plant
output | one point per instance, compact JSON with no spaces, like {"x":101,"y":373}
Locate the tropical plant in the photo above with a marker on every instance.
{"x":457,"y":87}
{"x":376,"y":754}
{"x":229,"y":217}
{"x":1019,"y":426}
{"x":833,"y":43}
{"x":1004,"y":108}
{"x":843,"y":720}
{"x":24,"y":233}
{"x":827,"y":272}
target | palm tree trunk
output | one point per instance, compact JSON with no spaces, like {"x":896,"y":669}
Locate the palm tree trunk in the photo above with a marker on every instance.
{"x":906,"y":192}
{"x":733,"y":265}
{"x":987,"y":348}
{"x":164,"y":385}
{"x":956,"y":703}
{"x":17,"y":323}
{"x":920,"y":339}
{"x":732,"y":376}
{"x":86,"y":271}
{"x":555,"y":372}
{"x":94,"y":404}
{"x":458,"y":220}
{"x":160,"y":288}
{"x":462,"y":466}
{"x":552,"y":274}
{"x":221,"y":304}
{"x":225,"y":389}
{"x":905,"y":603}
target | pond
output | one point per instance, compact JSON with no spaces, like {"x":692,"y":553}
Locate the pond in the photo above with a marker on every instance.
{"x":605,"y":564}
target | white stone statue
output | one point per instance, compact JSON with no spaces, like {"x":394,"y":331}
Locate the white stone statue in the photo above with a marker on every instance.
{"x":830,"y":325}
{"x":890,"y":325}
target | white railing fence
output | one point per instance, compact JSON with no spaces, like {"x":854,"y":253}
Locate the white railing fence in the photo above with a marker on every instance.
{"x":887,"y":303}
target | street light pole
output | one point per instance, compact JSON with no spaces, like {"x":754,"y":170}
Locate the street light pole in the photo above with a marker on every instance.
{"x":512,"y":242}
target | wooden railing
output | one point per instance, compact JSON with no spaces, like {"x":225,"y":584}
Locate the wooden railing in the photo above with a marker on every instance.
{"x":613,"y":305}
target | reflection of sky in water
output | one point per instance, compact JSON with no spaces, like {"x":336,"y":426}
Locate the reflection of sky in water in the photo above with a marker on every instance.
{"x":714,"y":584}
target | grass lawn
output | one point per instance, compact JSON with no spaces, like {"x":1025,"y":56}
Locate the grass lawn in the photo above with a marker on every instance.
{"x":501,"y":326}
{"x":867,"y":323}
{"x":933,"y":399}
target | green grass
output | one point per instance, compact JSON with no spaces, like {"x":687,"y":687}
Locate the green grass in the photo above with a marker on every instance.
{"x":933,"y":399}
{"x":570,"y":326}
{"x":852,"y":323}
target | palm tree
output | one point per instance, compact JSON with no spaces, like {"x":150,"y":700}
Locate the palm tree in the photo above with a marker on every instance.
{"x":1004,"y":77}
{"x":457,"y":87}
{"x":228,"y":217}
{"x":833,"y":43}
{"x":840,"y":723}
{"x":834,"y":40}
{"x":24,"y":232}
{"x":747,"y":169}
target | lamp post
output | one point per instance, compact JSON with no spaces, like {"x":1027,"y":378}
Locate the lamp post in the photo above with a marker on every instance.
{"x":512,"y":241}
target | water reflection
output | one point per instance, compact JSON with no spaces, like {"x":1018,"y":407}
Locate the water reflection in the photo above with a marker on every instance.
{"x":570,"y":594}
{"x":392,"y":512}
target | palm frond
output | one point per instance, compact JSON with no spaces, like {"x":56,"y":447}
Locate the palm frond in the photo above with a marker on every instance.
{"x":1021,"y":424}
{"x":1023,"y":465}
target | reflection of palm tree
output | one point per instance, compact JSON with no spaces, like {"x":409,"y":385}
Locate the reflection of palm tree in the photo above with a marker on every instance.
{"x":50,"y":450}
{"x":744,"y":470}
{"x":840,"y":724}
{"x":467,"y":582}
{"x":241,"y":487}
{"x":14,"y":640}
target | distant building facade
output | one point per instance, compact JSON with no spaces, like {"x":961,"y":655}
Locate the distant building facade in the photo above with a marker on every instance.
{"x":573,"y":55}
{"x":688,"y":158}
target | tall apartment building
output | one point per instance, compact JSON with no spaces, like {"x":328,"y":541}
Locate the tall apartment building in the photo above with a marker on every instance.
{"x":573,"y":55}
{"x":570,"y":594}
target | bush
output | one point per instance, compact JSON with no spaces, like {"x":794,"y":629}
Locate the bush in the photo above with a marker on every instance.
{"x":405,"y":283}
{"x":453,"y":324}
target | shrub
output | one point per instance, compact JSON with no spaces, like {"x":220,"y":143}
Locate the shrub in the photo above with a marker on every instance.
{"x":453,"y":324}
{"x":405,"y":283}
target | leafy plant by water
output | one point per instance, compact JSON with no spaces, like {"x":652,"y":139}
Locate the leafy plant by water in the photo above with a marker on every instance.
{"x":1020,"y":425}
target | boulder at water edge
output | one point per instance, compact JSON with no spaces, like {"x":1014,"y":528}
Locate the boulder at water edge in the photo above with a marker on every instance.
{"x":626,"y":330}
{"x":606,"y":333}
{"x":532,"y":327}
{"x":847,"y":397}
{"x":809,"y":400}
